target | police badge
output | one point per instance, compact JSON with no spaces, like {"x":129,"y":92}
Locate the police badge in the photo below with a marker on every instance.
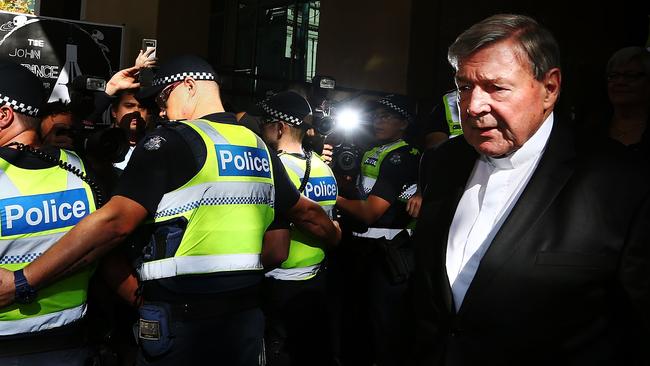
{"x":396,"y":159}
{"x":154,"y":143}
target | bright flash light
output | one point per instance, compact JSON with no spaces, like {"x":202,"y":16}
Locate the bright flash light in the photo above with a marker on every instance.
{"x":348,"y":119}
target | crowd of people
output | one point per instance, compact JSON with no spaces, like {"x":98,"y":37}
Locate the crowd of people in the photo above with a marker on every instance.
{"x":181,"y":233}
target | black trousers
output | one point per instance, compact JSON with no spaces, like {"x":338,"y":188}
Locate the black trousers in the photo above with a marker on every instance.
{"x":233,"y":339}
{"x":297,"y":330}
{"x":375,"y":326}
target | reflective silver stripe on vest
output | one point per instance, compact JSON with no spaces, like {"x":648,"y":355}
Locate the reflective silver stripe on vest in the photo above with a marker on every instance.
{"x":408,"y":192}
{"x":291,"y":164}
{"x":367,"y":184}
{"x":379,"y":232}
{"x":214,"y":135}
{"x":42,"y":322}
{"x":176,"y":266}
{"x":74,"y":181}
{"x":219,"y":138}
{"x":215,"y":193}
{"x":28,"y":250}
{"x":9,"y":189}
{"x":294,"y":274}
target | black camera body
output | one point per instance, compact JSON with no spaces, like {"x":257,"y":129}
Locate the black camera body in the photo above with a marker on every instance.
{"x":346,"y":159}
{"x":98,"y":141}
{"x":346,"y":155}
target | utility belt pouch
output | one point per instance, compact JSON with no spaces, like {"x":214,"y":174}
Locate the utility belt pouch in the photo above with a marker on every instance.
{"x":154,"y":328}
{"x":165,"y":239}
{"x":398,"y":257}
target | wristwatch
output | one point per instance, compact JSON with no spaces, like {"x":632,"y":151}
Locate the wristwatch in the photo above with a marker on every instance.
{"x":25,"y":293}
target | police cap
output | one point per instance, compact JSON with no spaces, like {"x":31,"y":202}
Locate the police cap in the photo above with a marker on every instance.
{"x":20,"y":89}
{"x":287,"y":106}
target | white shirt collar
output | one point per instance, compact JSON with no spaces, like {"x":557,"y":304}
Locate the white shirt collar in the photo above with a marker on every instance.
{"x":528,"y":151}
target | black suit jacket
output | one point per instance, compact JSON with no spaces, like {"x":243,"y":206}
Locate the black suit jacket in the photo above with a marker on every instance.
{"x":565,"y":280}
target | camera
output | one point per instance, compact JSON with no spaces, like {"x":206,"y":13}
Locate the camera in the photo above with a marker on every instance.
{"x":346,"y":159}
{"x":328,"y":118}
{"x":98,"y":141}
{"x":102,"y":143}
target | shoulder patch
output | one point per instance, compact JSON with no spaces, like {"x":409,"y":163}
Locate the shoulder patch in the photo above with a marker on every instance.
{"x":396,"y":158}
{"x":154,"y":142}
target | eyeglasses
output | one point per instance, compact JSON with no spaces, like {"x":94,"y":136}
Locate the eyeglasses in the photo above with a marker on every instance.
{"x":161,"y":99}
{"x":625,"y":76}
{"x":385,"y":116}
{"x":267,"y":120}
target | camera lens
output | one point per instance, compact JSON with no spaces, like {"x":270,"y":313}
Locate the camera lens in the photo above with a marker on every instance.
{"x":325,"y":125}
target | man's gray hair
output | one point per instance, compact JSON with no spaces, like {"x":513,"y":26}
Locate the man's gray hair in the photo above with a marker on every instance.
{"x":627,"y":54}
{"x":536,"y":43}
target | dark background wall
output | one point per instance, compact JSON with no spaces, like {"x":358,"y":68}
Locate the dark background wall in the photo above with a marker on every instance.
{"x":383,"y":45}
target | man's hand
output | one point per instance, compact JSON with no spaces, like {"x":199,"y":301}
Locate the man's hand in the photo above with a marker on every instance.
{"x":413,"y":205}
{"x":143,"y":59}
{"x":7,"y":288}
{"x":326,"y":155}
{"x":123,"y":79}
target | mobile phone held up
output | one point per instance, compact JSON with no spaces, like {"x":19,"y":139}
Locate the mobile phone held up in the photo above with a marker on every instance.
{"x":148,"y":44}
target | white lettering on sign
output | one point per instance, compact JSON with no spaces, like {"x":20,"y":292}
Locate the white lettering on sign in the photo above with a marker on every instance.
{"x":26,"y":53}
{"x":44,"y":71}
{"x":36,"y":42}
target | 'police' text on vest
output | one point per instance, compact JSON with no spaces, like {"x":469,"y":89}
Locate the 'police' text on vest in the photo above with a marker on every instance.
{"x":37,"y":213}
{"x":243,"y":161}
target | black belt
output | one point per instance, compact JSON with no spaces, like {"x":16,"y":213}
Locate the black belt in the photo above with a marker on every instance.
{"x":68,"y":336}
{"x":216,"y":306}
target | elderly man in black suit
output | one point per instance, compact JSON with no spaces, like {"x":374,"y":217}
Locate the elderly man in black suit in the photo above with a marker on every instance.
{"x":528,"y":251}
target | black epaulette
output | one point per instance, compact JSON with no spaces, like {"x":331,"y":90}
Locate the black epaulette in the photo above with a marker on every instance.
{"x":191,"y":137}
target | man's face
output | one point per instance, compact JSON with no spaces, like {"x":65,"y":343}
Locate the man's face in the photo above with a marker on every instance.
{"x":128,"y":104}
{"x":628,"y":84}
{"x":60,"y":120}
{"x":170,"y":102}
{"x":270,"y":133}
{"x":501,"y":103}
{"x":387,"y":125}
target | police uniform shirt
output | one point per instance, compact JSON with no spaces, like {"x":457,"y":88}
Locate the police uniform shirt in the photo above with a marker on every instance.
{"x":398,"y":169}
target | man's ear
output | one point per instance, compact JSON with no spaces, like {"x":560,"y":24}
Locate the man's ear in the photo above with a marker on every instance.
{"x":552,"y":81}
{"x":190,"y":84}
{"x":281,"y":127}
{"x":6,"y":117}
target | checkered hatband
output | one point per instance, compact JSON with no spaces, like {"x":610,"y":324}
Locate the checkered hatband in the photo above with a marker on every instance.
{"x":18,"y":107}
{"x":181,"y":76}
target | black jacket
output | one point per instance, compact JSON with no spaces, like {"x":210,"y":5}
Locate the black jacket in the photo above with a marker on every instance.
{"x":564,"y":282}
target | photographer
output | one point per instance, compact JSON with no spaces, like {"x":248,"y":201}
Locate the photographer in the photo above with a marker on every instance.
{"x":294,"y":294}
{"x":55,"y":125}
{"x":377,"y":261}
{"x":127,"y":112}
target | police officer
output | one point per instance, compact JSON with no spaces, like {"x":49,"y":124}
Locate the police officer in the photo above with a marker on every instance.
{"x":295,"y":300}
{"x":39,"y":202}
{"x":376,"y":260}
{"x":208,"y":188}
